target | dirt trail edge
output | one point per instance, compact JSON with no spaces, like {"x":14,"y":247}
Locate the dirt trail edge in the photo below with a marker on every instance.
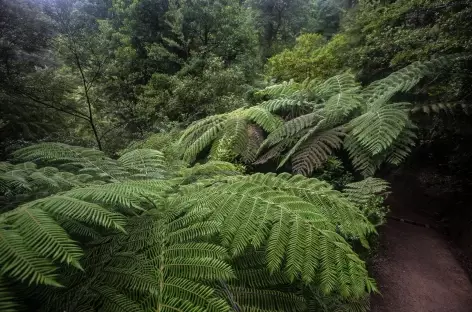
{"x":415,"y":269}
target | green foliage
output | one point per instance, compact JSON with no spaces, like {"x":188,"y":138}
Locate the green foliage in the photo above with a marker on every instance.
{"x":337,"y":113}
{"x":203,"y":87}
{"x":25,"y":181}
{"x":312,"y":57}
{"x":229,"y":135}
{"x":320,"y":118}
{"x":369,"y":195}
{"x":181,"y":242}
{"x":334,"y":172}
{"x":388,"y":35}
{"x":279,"y":22}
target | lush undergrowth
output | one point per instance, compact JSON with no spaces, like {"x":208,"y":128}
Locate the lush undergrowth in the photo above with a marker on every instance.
{"x":215,"y":155}
{"x":81,"y":231}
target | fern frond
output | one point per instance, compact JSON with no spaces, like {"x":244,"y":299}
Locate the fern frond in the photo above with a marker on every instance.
{"x":227,"y":135}
{"x":276,"y":151}
{"x":210,"y":169}
{"x":402,"y":146}
{"x":339,"y":106}
{"x":377,"y":129}
{"x":434,"y":108}
{"x":283,"y":104}
{"x":78,"y":228}
{"x":286,"y":88}
{"x":165,"y":265}
{"x":74,"y":158}
{"x":361,"y":192}
{"x":316,"y":150}
{"x":147,"y":162}
{"x":252,"y":215}
{"x":361,"y":158}
{"x":263,"y":118}
{"x":233,"y":140}
{"x":44,"y":236}
{"x":335,"y":85}
{"x":198,"y":144}
{"x":112,"y":300}
{"x":197,"y":128}
{"x":291,"y":128}
{"x":61,"y":206}
{"x":124,"y":196}
{"x":20,"y":262}
{"x":319,"y":193}
{"x":255,"y":138}
{"x":405,"y":79}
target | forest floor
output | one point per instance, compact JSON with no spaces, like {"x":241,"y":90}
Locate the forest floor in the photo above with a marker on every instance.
{"x":415,"y":268}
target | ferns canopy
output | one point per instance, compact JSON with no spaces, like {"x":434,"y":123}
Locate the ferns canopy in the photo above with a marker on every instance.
{"x":132,"y":235}
{"x":152,"y":157}
{"x":305,"y":123}
{"x":80,"y":231}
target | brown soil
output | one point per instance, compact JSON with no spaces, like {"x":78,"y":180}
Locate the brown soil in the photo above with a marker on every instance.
{"x":415,"y":268}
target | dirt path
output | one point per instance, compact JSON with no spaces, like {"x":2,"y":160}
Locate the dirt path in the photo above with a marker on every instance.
{"x":415,"y":270}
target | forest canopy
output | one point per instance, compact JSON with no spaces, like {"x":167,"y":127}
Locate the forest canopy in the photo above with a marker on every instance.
{"x":213,"y":155}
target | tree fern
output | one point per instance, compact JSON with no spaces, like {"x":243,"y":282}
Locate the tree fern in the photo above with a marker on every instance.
{"x":287,"y":88}
{"x":378,"y":128}
{"x":361,"y":192}
{"x":405,"y":79}
{"x":72,"y":158}
{"x":253,"y":215}
{"x":182,"y":241}
{"x":25,"y":181}
{"x":227,"y":134}
{"x":315,"y":137}
{"x":376,"y":131}
{"x":156,"y":266}
{"x":328,"y":201}
{"x":144,"y":162}
{"x":315,"y":150}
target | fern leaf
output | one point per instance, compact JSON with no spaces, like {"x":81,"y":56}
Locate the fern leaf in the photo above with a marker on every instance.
{"x":329,"y":202}
{"x":361,"y":192}
{"x":71,"y":208}
{"x":43,"y":235}
{"x":126,"y":195}
{"x":275,"y":151}
{"x":316,"y":150}
{"x":263,"y":118}
{"x":379,"y":127}
{"x":197,"y":128}
{"x":262,"y":214}
{"x":405,"y":79}
{"x":255,"y":138}
{"x":84,"y":160}
{"x":144,"y":161}
{"x":193,"y":149}
{"x":339,"y":106}
{"x":291,"y":128}
{"x":282,"y":89}
{"x":402,"y":146}
{"x":335,"y":85}
{"x":233,"y":140}
{"x":20,"y":262}
{"x":283,"y":104}
{"x":362,"y":160}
